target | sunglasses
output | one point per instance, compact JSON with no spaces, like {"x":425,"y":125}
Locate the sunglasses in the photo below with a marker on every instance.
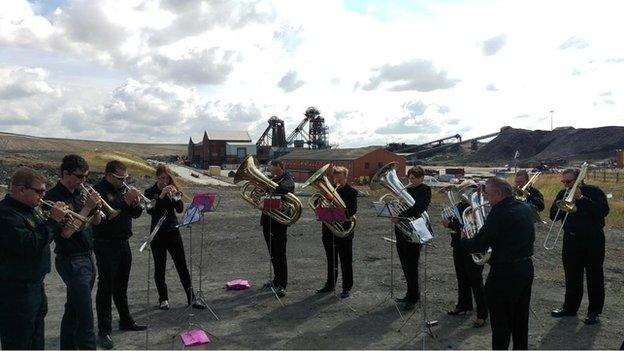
{"x":80,"y":176}
{"x":38,"y":191}
{"x":123,"y":177}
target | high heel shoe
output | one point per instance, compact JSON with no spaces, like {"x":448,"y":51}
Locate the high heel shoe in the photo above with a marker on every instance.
{"x":478,"y":323}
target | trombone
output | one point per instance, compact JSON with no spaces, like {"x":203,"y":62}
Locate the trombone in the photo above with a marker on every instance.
{"x":522,"y":193}
{"x":566,"y":204}
{"x":71,"y":219}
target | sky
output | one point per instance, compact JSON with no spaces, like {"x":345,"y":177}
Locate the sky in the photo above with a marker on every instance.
{"x":161,"y":71}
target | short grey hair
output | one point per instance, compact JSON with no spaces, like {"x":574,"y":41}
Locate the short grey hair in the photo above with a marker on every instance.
{"x":501,"y":185}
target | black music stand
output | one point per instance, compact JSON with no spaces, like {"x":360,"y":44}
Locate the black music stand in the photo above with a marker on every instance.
{"x":333,"y":214}
{"x":192,"y":215}
{"x":269,"y":203}
{"x":144,"y":246}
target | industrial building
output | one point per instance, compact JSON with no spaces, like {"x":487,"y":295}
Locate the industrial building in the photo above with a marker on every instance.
{"x":362,"y":163}
{"x":219,"y":148}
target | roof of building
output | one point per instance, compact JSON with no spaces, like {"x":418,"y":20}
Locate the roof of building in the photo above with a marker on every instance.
{"x":329,"y":154}
{"x":240,"y":144}
{"x":223,"y":135}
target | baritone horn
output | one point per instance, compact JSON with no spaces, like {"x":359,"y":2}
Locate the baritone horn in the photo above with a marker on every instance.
{"x":258,"y":186}
{"x":327,"y":196}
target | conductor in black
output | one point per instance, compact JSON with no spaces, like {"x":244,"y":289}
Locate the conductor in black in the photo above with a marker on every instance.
{"x":509,"y":230}
{"x":583,"y":247}
{"x":275,"y":233}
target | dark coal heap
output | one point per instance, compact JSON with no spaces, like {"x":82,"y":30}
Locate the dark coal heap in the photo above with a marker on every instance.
{"x":565,"y":143}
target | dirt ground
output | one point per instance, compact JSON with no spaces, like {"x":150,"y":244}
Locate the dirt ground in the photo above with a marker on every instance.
{"x":253,"y":319}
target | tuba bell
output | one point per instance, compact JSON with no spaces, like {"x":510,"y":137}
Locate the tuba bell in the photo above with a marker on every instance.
{"x":258,"y":186}
{"x":398,"y":200}
{"x":327,"y":196}
{"x":474,"y":218}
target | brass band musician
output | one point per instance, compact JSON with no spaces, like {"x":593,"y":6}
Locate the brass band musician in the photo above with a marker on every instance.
{"x":534,"y":197}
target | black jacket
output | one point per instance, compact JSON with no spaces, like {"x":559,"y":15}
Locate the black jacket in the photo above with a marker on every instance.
{"x":509,"y":230}
{"x":285,"y":184}
{"x":120,"y":227}
{"x":591,"y":211}
{"x":24,"y":242}
{"x":80,"y":241}
{"x":349,"y":196}
{"x":162,"y":205}
{"x":536,"y":199}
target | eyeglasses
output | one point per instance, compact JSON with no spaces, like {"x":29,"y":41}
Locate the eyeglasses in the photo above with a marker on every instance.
{"x":38,"y":191}
{"x":123,"y":177}
{"x":80,"y":176}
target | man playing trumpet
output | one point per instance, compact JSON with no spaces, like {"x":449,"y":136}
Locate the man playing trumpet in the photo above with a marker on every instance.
{"x":74,"y":254}
{"x":25,"y":260}
{"x":340,"y":246}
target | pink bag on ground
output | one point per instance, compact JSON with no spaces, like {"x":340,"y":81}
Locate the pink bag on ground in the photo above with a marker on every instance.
{"x":238,"y":284}
{"x":194,"y":337}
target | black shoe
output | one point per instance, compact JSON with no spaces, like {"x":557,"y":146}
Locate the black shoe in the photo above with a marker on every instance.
{"x":324,"y":289}
{"x":105,"y":342}
{"x":558,"y":313}
{"x":132,"y":327}
{"x":400,"y":299}
{"x":344,"y":294}
{"x":280,"y":292}
{"x":592,"y":319}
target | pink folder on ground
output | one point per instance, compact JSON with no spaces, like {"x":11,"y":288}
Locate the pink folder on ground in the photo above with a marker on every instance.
{"x":238,"y":284}
{"x":194,"y":337}
{"x":330,"y":214}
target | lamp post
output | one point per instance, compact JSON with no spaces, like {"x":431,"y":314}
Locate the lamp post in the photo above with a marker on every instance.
{"x":551,"y":119}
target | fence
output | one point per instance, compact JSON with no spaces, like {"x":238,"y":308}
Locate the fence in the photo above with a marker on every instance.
{"x":606,"y":175}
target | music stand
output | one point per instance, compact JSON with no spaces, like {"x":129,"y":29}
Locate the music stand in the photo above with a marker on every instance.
{"x":191,"y":215}
{"x":269,"y":203}
{"x":333,"y":214}
{"x":209,"y":202}
{"x":144,"y":246}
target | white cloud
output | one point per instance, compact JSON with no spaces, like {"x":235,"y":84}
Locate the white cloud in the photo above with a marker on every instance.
{"x":290,"y":82}
{"x":415,"y":74}
{"x":574,"y":43}
{"x":493,"y":45}
{"x":21,"y":82}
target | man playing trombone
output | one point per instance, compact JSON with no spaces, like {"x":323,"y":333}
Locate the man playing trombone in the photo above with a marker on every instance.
{"x":531,"y":195}
{"x":583,"y":245}
{"x":25,"y":260}
{"x":112,"y":251}
{"x":340,"y":246}
{"x":74,"y":254}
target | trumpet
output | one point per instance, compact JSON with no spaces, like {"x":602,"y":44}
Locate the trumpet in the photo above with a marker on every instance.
{"x":144,"y":201}
{"x":522,"y":193}
{"x":566,"y":204}
{"x":71,"y":219}
{"x":258,"y":185}
{"x":327,"y":196}
{"x":112,"y":213}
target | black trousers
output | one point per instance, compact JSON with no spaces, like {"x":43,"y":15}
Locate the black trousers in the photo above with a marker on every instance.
{"x":338,"y":248}
{"x":169,"y":241}
{"x":78,"y":274}
{"x":469,"y":283}
{"x":275,"y":235}
{"x":409,"y":254}
{"x":584,"y":255}
{"x":508,"y":296}
{"x":114,"y":260}
{"x":23,"y":307}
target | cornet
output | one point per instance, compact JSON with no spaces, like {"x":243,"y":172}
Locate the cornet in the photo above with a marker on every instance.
{"x":112,"y":213}
{"x":144,"y":201}
{"x":71,"y":219}
{"x":566,"y":205}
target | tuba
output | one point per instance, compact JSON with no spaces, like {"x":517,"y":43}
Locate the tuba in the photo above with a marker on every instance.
{"x":522,"y":193}
{"x":398,"y":200}
{"x":566,"y":205}
{"x":258,"y":185}
{"x":474,"y":218}
{"x":327,"y":196}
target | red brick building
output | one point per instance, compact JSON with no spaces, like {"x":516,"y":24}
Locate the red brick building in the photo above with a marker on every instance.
{"x":362,"y":163}
{"x":213,"y":150}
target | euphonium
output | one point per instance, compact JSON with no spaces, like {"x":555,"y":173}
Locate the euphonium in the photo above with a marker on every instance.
{"x":566,"y":205}
{"x":398,"y":200}
{"x":451,"y":210}
{"x":327,"y":196}
{"x":522,"y":193}
{"x":474,"y":218}
{"x":258,"y":186}
{"x":72,"y":219}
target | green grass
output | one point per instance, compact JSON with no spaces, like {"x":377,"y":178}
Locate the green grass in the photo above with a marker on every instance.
{"x":136,"y":166}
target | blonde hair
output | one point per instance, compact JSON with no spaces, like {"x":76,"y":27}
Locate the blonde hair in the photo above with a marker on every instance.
{"x":341,"y":170}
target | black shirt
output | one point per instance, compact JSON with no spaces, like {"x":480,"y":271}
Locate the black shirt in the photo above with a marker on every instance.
{"x":120,"y":227}
{"x":24,"y":242}
{"x":285,"y":184}
{"x":422,"y":197}
{"x":349,"y":196}
{"x":591,"y":211}
{"x":162,"y":205}
{"x":508,"y":230}
{"x":81,"y":241}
